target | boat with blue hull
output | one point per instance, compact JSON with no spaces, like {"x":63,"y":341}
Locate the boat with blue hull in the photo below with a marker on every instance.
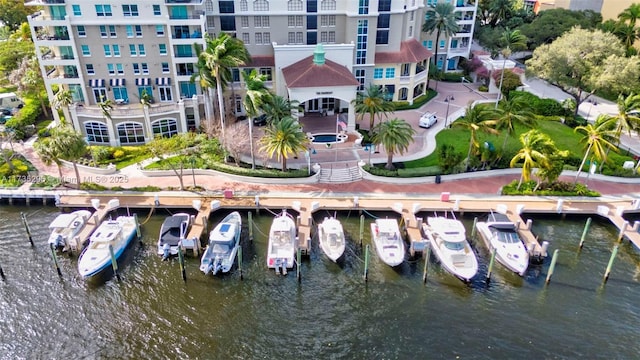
{"x":111,"y":236}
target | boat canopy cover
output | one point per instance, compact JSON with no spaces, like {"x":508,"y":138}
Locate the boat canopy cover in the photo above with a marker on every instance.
{"x":503,"y":226}
{"x":389,"y":226}
{"x":173,"y":221}
{"x":63,"y":221}
{"x":223,"y":233}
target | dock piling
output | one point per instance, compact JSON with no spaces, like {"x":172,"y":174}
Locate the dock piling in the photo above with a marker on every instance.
{"x":473,"y":228}
{"x":298,"y":262}
{"x":240,"y":261}
{"x":426,"y":264}
{"x":54,"y":256}
{"x":529,"y":224}
{"x":135,"y":217}
{"x":610,"y":264}
{"x":584,"y":232}
{"x":361,"y":230}
{"x":2,"y":273}
{"x":183,"y":270}
{"x":552,"y":266}
{"x":366,"y":263}
{"x":250,"y":215}
{"x":491,"y":262}
{"x":26,"y":228}
{"x":114,"y":262}
{"x":625,"y":225}
{"x":205,"y":224}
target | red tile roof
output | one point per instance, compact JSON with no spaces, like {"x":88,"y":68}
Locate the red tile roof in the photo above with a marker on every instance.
{"x":264,"y":60}
{"x":305,"y":73}
{"x":410,"y":52}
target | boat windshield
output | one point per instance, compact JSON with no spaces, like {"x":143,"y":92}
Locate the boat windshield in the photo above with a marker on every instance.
{"x":507,"y":237}
{"x":456,"y":246}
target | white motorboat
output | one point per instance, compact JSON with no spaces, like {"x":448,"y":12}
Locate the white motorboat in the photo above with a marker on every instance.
{"x":116,"y":234}
{"x":501,"y":234}
{"x":283,"y":243}
{"x":331,"y":238}
{"x":174,"y":229}
{"x":448,"y":241}
{"x":224,"y":241}
{"x":388,"y":241}
{"x":65,"y":227}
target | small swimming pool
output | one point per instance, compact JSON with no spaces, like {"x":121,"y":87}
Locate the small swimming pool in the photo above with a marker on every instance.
{"x":328,"y":138}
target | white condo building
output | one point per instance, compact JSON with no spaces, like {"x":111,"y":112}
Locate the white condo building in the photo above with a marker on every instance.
{"x":118,"y":49}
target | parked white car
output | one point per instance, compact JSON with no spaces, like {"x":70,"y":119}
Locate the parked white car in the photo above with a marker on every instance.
{"x":427,"y":120}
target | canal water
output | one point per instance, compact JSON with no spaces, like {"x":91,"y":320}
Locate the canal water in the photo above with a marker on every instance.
{"x":332,"y":314}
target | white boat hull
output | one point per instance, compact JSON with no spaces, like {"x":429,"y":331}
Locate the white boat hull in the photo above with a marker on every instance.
{"x":224,"y":241}
{"x":65,"y":228}
{"x":456,"y":257}
{"x":513,"y":256}
{"x":283,"y":243}
{"x":331,"y":238}
{"x":388,"y":241}
{"x":169,"y":247}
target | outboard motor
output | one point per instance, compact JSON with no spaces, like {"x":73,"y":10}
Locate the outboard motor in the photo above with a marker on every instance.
{"x":166,"y":252}
{"x":216,"y":265}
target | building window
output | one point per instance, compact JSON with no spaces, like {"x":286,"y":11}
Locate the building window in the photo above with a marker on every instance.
{"x":263,"y":38}
{"x":295,"y":37}
{"x":129,"y":31}
{"x":267,"y":73}
{"x":120,"y":70}
{"x":85,"y":50}
{"x":130,"y":10}
{"x":100,"y":94}
{"x":165,"y":94}
{"x":226,"y":7}
{"x":107,"y":50}
{"x":327,"y":20}
{"x":361,"y":46}
{"x":377,"y":73}
{"x":244,"y":21}
{"x":228,"y":23}
{"x":384,"y":5}
{"x":245,"y":38}
{"x":90,"y":70}
{"x":360,"y":76}
{"x":164,"y":128}
{"x":261,"y":21}
{"x":162,"y":48}
{"x":82,"y":32}
{"x":111,"y":69}
{"x":211,"y":24}
{"x":312,"y":6}
{"x":138,"y":29}
{"x":442,"y":43}
{"x":410,"y":31}
{"x":363,"y":7}
{"x":312,"y":22}
{"x":244,"y":5}
{"x":327,"y":5}
{"x":141,"y":50}
{"x":165,"y":68}
{"x":120,"y":93}
{"x":145,"y":68}
{"x":96,"y":132}
{"x":76,"y":10}
{"x":411,"y":15}
{"x":136,"y":68}
{"x":187,"y":89}
{"x":116,"y":50}
{"x":112,"y":31}
{"x":390,"y":73}
{"x":103,"y":31}
{"x":156,"y":10}
{"x":133,"y":51}
{"x":103,"y":10}
{"x":295,"y":20}
{"x":312,"y":37}
{"x":382,"y":35}
{"x":430,"y":44}
{"x":159,"y":30}
{"x":260,"y":5}
{"x":294,"y":5}
{"x":130,"y":133}
{"x":403,"y":93}
{"x":258,"y":37}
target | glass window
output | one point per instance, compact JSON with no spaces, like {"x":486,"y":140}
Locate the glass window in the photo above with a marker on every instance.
{"x":243,"y":5}
{"x":103,"y":31}
{"x":90,"y":70}
{"x":187,"y":89}
{"x":164,"y":128}
{"x":245,"y":38}
{"x":363,"y":7}
{"x":244,"y":21}
{"x":258,"y":38}
{"x":226,"y":7}
{"x":156,"y":10}
{"x":120,"y":93}
{"x":112,"y":31}
{"x":260,"y":5}
{"x":85,"y":50}
{"x":267,"y":73}
{"x":312,"y":6}
{"x":82,"y":32}
{"x":312,"y":38}
{"x":228,"y":23}
{"x":383,"y":21}
{"x":159,"y":30}
{"x":141,"y":50}
{"x":145,"y":68}
{"x":111,"y":68}
{"x":96,"y":132}
{"x":294,"y":5}
{"x":165,"y":67}
{"x":261,"y":21}
{"x":165,"y":93}
{"x":76,"y":10}
{"x":107,"y":50}
{"x":130,"y":133}
{"x":120,"y":70}
{"x":312,"y":22}
{"x":382,"y":37}
{"x":384,"y":5}
{"x":136,"y":68}
{"x":130,"y":10}
{"x":442,"y":42}
{"x":360,"y":76}
{"x":103,"y":10}
{"x":377,"y":73}
{"x":116,"y":50}
{"x":100,"y":94}
{"x":390,"y":73}
{"x":138,"y":29}
{"x":162,"y":48}
{"x":328,"y":5}
{"x":133,"y":50}
{"x":129,"y":31}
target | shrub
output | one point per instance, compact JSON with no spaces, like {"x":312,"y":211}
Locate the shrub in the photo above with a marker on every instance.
{"x":100,"y":153}
{"x":259,"y":172}
{"x":118,"y":154}
{"x":421,"y":171}
{"x":92,"y":186}
{"x":558,"y":188}
{"x":380,"y":171}
{"x":448,"y":158}
{"x":417,"y":102}
{"x":44,"y":132}
{"x":575,"y":120}
{"x":483,"y":88}
{"x":544,"y":107}
{"x":46,"y":181}
{"x":20,"y":168}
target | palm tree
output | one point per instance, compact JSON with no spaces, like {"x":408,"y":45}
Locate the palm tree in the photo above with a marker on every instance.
{"x":511,"y":112}
{"x":106,"y":106}
{"x":48,"y":154}
{"x":66,"y":143}
{"x":627,"y":33}
{"x":627,"y":119}
{"x":278,"y":107}
{"x":257,"y":95}
{"x":440,"y":18}
{"x":510,"y":40}
{"x":599,"y":137}
{"x":284,"y":138}
{"x":477,"y":118}
{"x":536,"y":151}
{"x":372,"y":102}
{"x":630,"y":14}
{"x":395,"y":136}
{"x":220,"y":56}
{"x":500,"y":10}
{"x":206,"y":80}
{"x":62,"y":100}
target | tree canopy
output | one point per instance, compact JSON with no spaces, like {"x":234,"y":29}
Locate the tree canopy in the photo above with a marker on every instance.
{"x":13,"y":13}
{"x":551,"y":24}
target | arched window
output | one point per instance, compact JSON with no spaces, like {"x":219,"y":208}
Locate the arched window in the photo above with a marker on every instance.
{"x":328,"y":5}
{"x":96,"y":132}
{"x":418,"y":90}
{"x":403,"y":93}
{"x":294,"y":5}
{"x":130,"y":133}
{"x":208,"y":5}
{"x":260,"y":5}
{"x":243,"y":5}
{"x":164,"y":127}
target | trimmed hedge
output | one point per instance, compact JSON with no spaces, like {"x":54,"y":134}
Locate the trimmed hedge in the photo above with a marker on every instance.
{"x":558,"y":188}
{"x":417,"y":102}
{"x":259,"y":172}
{"x":421,"y":171}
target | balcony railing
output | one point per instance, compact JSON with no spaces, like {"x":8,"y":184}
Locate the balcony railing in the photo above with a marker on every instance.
{"x":184,"y":35}
{"x":183,"y":1}
{"x":52,"y":37}
{"x":54,"y":57}
{"x":185,"y":55}
{"x":184,"y":17}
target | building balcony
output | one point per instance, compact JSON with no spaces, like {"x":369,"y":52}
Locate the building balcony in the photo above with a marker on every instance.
{"x":186,"y":35}
{"x":459,"y":50}
{"x":44,"y":2}
{"x":47,"y":19}
{"x":185,"y":55}
{"x":181,"y":2}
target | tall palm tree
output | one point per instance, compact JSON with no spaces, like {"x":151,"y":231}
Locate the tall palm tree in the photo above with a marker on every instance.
{"x":207,"y":82}
{"x":62,"y":100}
{"x":278,"y":107}
{"x":630,"y":14}
{"x":48,"y":154}
{"x":284,"y":138}
{"x":511,"y":112}
{"x":627,"y":119}
{"x":440,"y":18}
{"x":599,"y":137}
{"x":221,"y":55}
{"x":510,"y":40}
{"x":68,"y":144}
{"x":479,"y":118}
{"x":257,"y":95}
{"x":535,"y":152}
{"x":627,"y":33}
{"x":500,"y":10}
{"x":372,"y":102}
{"x":395,"y":136}
{"x":106,"y":106}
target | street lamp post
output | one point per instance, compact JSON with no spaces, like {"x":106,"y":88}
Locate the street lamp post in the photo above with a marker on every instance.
{"x":448,"y":100}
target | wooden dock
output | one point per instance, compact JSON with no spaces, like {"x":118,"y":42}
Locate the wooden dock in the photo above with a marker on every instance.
{"x":406,"y":207}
